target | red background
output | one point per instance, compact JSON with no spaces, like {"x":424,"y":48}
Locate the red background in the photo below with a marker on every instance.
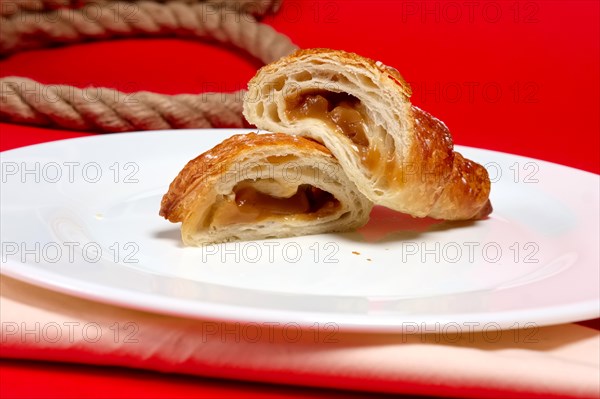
{"x":513,"y":76}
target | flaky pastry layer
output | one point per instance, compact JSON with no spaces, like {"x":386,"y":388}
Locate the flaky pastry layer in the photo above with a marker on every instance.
{"x":398,"y":155}
{"x":257,"y":186}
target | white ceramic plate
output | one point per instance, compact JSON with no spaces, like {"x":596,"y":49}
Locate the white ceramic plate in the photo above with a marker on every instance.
{"x":81,"y":217}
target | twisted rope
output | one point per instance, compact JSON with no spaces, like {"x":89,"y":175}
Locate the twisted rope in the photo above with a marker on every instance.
{"x":254,"y":7}
{"x":106,"y":110}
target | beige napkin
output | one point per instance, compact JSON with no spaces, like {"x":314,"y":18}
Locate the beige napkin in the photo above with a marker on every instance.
{"x":546,"y":362}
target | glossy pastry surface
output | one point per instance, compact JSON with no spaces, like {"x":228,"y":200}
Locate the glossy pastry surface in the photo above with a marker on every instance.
{"x":398,"y":155}
{"x":256,"y":186}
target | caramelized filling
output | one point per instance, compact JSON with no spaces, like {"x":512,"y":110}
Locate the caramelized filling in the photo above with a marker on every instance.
{"x":344,"y":112}
{"x":340,"y":110}
{"x":251,"y":205}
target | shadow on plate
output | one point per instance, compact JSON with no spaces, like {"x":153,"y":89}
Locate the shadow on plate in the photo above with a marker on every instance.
{"x":173,"y":234}
{"x":387,"y":225}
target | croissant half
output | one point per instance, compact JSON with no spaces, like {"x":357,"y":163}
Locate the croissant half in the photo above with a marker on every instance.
{"x":398,"y":155}
{"x":255,"y":186}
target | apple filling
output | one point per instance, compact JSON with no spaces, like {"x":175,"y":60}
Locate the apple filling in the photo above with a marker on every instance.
{"x":340,"y":110}
{"x":251,"y":205}
{"x":345,"y":113}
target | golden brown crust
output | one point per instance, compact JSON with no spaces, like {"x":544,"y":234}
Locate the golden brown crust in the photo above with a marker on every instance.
{"x":431,"y":154}
{"x":419,"y":172}
{"x":466,"y":193}
{"x":210,"y":164}
{"x":256,"y":186}
{"x":466,"y":187}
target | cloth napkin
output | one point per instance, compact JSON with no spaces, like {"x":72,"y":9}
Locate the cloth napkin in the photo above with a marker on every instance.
{"x":557,"y":361}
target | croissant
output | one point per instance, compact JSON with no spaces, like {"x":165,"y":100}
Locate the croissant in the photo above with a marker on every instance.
{"x":398,"y":155}
{"x":258,"y":186}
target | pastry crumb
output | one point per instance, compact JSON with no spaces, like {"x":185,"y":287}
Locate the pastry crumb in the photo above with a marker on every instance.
{"x":356,"y":253}
{"x":369,"y":259}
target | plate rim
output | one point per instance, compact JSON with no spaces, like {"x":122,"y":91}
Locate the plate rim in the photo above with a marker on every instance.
{"x":149,"y":303}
